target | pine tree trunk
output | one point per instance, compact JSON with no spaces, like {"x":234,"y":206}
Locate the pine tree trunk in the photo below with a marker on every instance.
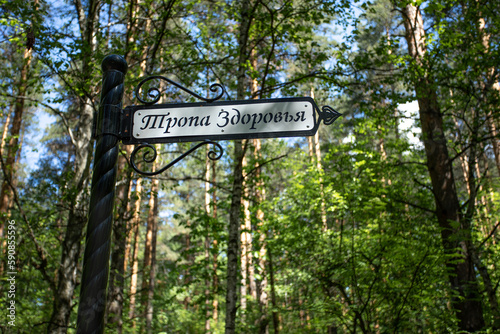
{"x":128,"y":216}
{"x":247,"y":266}
{"x":316,"y":156}
{"x":260,"y":195}
{"x":149,"y":254}
{"x":461,"y":274}
{"x":276,"y":323}
{"x":5,"y":189}
{"x":490,"y":117}
{"x":152,"y":273}
{"x":13,"y":148}
{"x":4,"y":194}
{"x":135,"y":262}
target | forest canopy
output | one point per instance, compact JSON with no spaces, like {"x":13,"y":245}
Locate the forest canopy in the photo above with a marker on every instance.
{"x":384,"y":222}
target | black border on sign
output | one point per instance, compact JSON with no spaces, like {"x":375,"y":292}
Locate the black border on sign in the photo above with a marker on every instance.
{"x":128,"y":119}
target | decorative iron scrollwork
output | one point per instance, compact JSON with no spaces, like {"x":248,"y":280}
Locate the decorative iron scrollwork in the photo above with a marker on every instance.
{"x":329,"y":115}
{"x":151,"y":154}
{"x":154,"y":93}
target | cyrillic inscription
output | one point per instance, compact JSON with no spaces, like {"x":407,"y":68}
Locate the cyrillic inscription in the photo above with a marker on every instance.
{"x":225,"y":119}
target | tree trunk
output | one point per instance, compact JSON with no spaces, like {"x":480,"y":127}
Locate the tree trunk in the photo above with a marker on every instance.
{"x":462,"y":277}
{"x":276,"y":323}
{"x":152,"y":273}
{"x":490,"y":117}
{"x":207,"y":244}
{"x":233,"y":238}
{"x":260,"y":195}
{"x":215,"y":277}
{"x":239,"y":153}
{"x":149,"y":254}
{"x":315,"y":154}
{"x":13,"y":148}
{"x":135,"y":262}
{"x":247,"y":265}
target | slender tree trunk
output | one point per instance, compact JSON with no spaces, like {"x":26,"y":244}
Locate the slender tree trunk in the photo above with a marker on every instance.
{"x":239,"y":153}
{"x":208,"y":303}
{"x":247,"y":265}
{"x":245,"y":252}
{"x":461,"y":274}
{"x":471,"y":178}
{"x":152,"y":273}
{"x":314,"y":145}
{"x":149,"y":254}
{"x":490,"y":117}
{"x":276,"y":322}
{"x":189,"y":260}
{"x":135,"y":262}
{"x":128,"y":216}
{"x":13,"y":148}
{"x":248,"y":283}
{"x":233,"y":238}
{"x":4,"y":192}
{"x":260,"y":195}
{"x":215,"y":277}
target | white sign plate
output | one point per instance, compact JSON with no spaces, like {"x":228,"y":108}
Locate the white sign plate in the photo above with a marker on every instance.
{"x":224,"y":120}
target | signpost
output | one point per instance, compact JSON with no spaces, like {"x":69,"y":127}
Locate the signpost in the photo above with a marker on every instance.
{"x":148,"y":124}
{"x":168,"y":123}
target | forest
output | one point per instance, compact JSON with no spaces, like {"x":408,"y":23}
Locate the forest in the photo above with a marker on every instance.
{"x":384,"y":222}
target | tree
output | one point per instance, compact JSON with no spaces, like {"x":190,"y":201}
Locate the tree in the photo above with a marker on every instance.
{"x":456,"y":232}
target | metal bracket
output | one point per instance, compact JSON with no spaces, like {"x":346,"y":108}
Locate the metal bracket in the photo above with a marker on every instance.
{"x":107,"y":121}
{"x":154,"y":93}
{"x":112,"y":120}
{"x":151,"y":154}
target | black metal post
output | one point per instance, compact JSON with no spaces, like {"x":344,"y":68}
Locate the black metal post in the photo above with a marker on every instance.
{"x":97,"y":248}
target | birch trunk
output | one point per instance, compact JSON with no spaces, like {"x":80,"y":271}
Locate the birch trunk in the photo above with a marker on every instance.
{"x":207,"y":244}
{"x":238,"y":154}
{"x":233,"y":239}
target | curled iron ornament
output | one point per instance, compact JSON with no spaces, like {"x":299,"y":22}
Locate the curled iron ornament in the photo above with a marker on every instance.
{"x":155,"y":92}
{"x":151,"y":155}
{"x":329,"y":115}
